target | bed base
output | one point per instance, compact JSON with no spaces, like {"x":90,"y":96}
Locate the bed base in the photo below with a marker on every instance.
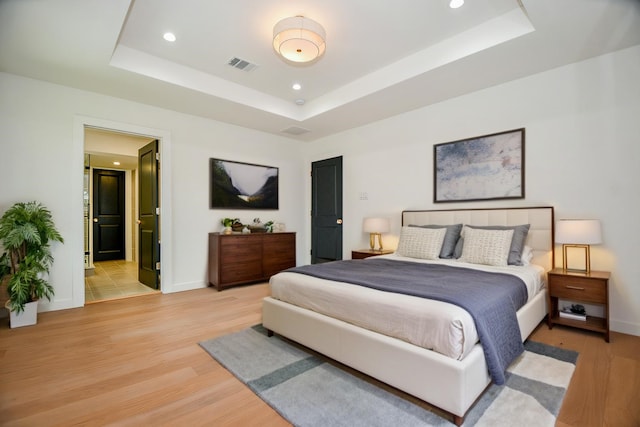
{"x":407,"y":367}
{"x":451,"y":385}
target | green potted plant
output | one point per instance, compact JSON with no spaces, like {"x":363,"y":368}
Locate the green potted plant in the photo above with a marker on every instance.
{"x":26,"y":233}
{"x":231,"y":224}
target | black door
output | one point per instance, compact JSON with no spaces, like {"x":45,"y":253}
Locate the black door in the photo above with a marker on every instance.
{"x":326,"y":210}
{"x":148,"y":236}
{"x":108,"y":215}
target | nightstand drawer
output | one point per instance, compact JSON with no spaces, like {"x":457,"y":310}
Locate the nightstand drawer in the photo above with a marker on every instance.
{"x":578,"y":288}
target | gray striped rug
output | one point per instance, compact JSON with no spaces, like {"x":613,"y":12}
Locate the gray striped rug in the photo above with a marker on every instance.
{"x":308,"y":391}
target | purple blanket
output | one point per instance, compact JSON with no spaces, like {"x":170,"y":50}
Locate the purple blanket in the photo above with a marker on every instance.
{"x":492,"y":299}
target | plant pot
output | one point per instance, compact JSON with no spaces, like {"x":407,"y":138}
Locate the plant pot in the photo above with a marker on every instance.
{"x":27,"y":317}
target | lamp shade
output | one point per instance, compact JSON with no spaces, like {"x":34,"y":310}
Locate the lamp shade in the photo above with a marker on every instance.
{"x":578,"y":231}
{"x":375,"y":225}
{"x":299,"y":39}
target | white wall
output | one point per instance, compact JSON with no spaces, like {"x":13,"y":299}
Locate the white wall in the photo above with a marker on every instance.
{"x":582,"y":151}
{"x":41,"y":158}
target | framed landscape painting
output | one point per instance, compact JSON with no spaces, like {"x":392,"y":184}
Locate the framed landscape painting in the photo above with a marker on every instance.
{"x":488,"y":167}
{"x":237,"y":185}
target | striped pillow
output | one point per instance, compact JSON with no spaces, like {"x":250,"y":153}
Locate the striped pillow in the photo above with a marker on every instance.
{"x":424,"y":243}
{"x":490,"y":247}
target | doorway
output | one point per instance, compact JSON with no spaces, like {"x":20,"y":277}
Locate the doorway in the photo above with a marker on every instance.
{"x":112,"y":209}
{"x":326,"y":210}
{"x":114,"y":280}
{"x":108,"y":215}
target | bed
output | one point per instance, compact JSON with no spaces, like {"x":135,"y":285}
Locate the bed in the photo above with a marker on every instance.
{"x":450,"y":379}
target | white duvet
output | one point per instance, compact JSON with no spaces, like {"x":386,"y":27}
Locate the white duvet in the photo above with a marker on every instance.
{"x":435,"y":325}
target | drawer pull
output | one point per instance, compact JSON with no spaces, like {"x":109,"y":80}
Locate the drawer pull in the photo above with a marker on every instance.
{"x":575,"y":287}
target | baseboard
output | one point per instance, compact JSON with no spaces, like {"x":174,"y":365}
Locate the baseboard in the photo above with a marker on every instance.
{"x":186,"y":286}
{"x":55,"y":304}
{"x":628,"y":328}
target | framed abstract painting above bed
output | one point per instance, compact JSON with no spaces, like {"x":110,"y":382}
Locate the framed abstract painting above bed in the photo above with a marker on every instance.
{"x":488,"y":167}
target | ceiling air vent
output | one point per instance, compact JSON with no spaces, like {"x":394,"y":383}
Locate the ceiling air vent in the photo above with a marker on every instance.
{"x":241,"y":64}
{"x":295,"y":130}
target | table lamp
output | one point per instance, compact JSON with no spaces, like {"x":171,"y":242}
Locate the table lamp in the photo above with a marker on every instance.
{"x":375,"y":226}
{"x":578,"y":233}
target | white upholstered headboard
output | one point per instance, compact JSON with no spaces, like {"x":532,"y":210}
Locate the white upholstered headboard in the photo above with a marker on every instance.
{"x":541,"y":231}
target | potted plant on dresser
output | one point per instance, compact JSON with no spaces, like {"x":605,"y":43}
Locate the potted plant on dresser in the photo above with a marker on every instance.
{"x":26,"y":233}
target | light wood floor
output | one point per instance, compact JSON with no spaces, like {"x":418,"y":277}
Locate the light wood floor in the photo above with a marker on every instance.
{"x":136,"y":361}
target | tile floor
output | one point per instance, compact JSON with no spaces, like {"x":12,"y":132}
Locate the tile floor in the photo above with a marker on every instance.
{"x":114,"y":280}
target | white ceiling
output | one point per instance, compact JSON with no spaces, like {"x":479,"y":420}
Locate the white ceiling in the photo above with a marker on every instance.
{"x":383,"y":57}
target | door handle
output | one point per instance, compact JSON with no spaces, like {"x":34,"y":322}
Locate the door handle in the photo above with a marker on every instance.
{"x":139,"y":222}
{"x":339,"y":221}
{"x":95,"y":219}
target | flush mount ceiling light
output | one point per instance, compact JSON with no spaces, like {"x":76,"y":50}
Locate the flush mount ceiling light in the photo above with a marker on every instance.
{"x":299,"y":39}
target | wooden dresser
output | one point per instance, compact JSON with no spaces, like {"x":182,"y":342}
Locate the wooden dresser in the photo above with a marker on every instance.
{"x":236,"y":259}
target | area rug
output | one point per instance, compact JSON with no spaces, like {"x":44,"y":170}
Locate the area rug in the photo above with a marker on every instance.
{"x":308,"y":390}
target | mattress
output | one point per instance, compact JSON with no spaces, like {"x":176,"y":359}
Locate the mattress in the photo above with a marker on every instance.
{"x":434,"y":325}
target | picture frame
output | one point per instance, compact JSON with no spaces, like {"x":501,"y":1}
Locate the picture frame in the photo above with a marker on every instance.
{"x":239,"y":185}
{"x":487,"y":167}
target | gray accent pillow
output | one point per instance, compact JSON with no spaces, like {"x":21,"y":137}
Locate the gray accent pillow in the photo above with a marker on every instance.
{"x":520,"y":233}
{"x":450,"y":238}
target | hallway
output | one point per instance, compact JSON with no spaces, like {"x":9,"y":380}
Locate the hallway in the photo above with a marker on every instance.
{"x":114,"y":280}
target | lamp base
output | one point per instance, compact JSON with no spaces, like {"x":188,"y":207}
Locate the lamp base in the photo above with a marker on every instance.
{"x":587,"y":258}
{"x":372,"y":241}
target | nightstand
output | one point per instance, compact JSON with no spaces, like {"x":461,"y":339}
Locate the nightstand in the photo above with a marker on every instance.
{"x":590,"y":288}
{"x":366,"y":253}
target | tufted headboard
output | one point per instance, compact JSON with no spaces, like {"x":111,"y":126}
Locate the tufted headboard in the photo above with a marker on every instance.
{"x":541,"y":231}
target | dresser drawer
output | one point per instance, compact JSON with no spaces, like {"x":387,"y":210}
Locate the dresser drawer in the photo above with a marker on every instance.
{"x":273,"y":267}
{"x":592,"y":290}
{"x":241,"y":271}
{"x":245,"y":251}
{"x":279,"y":243}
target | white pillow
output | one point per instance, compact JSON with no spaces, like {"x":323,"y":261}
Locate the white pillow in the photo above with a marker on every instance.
{"x":490,"y":247}
{"x":424,"y":243}
{"x":527,"y":255}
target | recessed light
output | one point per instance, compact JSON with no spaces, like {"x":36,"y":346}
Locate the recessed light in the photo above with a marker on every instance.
{"x":116,"y":163}
{"x":299,"y":101}
{"x":296,"y":86}
{"x":454,"y":4}
{"x":170,"y":37}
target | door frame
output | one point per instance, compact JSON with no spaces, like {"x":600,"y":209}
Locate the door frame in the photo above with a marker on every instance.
{"x":164,"y":138}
